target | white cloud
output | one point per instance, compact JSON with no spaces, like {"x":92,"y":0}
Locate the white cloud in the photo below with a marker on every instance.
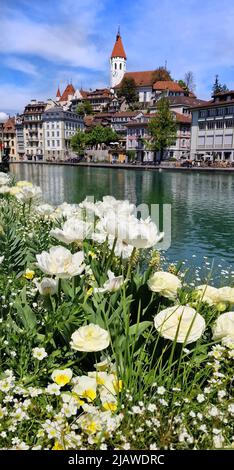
{"x":68,"y":41}
{"x":3,"y":116}
{"x":13,"y":98}
{"x":22,"y":65}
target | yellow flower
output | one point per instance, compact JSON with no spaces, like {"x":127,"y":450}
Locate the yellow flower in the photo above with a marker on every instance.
{"x":109,"y":406}
{"x":22,"y":184}
{"x":29,"y":274}
{"x":57,"y":446}
{"x":89,"y":292}
{"x":90,"y":394}
{"x":14,"y":190}
{"x":118,"y":385}
{"x":91,"y":428}
{"x":92,"y":254}
{"x":62,"y":376}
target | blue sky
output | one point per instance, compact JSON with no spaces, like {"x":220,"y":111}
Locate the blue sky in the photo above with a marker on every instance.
{"x":48,"y":42}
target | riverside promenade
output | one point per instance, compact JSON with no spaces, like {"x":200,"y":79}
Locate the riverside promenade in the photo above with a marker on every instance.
{"x":129,"y":166}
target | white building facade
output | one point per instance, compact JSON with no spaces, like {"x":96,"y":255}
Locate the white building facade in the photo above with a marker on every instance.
{"x":212,"y":132}
{"x":59,"y":126}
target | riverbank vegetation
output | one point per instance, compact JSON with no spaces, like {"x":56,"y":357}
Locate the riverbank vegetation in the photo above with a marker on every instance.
{"x":100,"y":348}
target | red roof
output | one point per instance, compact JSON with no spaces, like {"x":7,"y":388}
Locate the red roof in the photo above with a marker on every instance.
{"x":118,"y":50}
{"x":69,"y":90}
{"x":182,"y":118}
{"x":141,"y":78}
{"x":58,"y":94}
{"x":9,"y":125}
{"x":167,"y":85}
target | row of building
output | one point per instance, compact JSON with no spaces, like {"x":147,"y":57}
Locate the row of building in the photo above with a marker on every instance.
{"x":205,"y":129}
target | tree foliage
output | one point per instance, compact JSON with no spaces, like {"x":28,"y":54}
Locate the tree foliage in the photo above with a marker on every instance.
{"x":161,"y":74}
{"x":84,"y":108}
{"x":97,"y":135}
{"x":218,"y":87}
{"x":128,"y":90}
{"x":162,"y":128}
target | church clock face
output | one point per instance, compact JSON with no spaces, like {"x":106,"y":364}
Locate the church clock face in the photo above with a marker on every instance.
{"x":114,"y":73}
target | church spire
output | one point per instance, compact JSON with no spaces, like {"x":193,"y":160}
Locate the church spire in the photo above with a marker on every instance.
{"x":118,"y":49}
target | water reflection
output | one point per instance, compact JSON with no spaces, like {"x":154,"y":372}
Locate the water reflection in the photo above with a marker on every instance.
{"x":202,"y":203}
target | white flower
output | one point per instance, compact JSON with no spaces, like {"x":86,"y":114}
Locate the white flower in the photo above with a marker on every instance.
{"x":74,"y":230}
{"x":161,"y":390}
{"x":62,"y":376}
{"x":165,"y":283}
{"x":200,"y":398}
{"x":226,"y":294}
{"x":1,"y":259}
{"x":90,"y":338}
{"x":53,"y":389}
{"x":85,"y":387}
{"x":45,"y":209}
{"x":223,"y":329}
{"x":60,"y":262}
{"x":47,"y":286}
{"x":4,"y":179}
{"x":180,"y":323}
{"x":22,"y":184}
{"x":29,"y":193}
{"x":113,"y":284}
{"x":68,"y":210}
{"x":138,"y":233}
{"x":4,"y":189}
{"x":39,"y":353}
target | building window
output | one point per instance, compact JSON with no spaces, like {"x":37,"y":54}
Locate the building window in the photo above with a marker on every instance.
{"x":48,"y":134}
{"x":220,"y":111}
{"x":202,"y":113}
{"x":57,"y":133}
{"x":53,"y":143}
{"x":210,"y":125}
{"x":201,"y":141}
{"x":52,"y":133}
{"x":120,"y":66}
{"x":115,"y":66}
{"x":229,"y":123}
{"x":48,"y":143}
{"x":219,"y":125}
{"x":201,"y":126}
{"x":58,"y":143}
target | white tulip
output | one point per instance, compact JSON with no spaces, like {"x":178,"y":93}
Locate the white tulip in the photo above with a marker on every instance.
{"x":68,"y":210}
{"x":47,"y":286}
{"x":166,"y":284}
{"x":223,"y":329}
{"x":28,"y":193}
{"x":180,"y":323}
{"x":4,"y":179}
{"x":73,"y":230}
{"x":208,"y":294}
{"x":4,"y":189}
{"x":90,"y":338}
{"x":61,"y":262}
{"x":45,"y":209}
{"x":113,"y":284}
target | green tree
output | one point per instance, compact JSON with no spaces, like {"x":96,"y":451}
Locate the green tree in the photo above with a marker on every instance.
{"x":128,"y":90}
{"x":162,"y":128}
{"x":218,"y":87}
{"x":79,"y":142}
{"x":161,"y":75}
{"x":84,"y":108}
{"x":101,"y":135}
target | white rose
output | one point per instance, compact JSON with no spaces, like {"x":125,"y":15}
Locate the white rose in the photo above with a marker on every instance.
{"x":164,"y":283}
{"x":74,"y":230}
{"x":113,"y":284}
{"x":61,"y":262}
{"x":223,"y":329}
{"x":47,"y":286}
{"x":208,"y":294}
{"x":90,"y":338}
{"x":180,"y":323}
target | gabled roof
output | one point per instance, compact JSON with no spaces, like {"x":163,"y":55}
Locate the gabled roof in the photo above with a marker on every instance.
{"x":167,"y":85}
{"x":144,"y":78}
{"x":185,"y":101}
{"x":69,"y":90}
{"x":118,"y":49}
{"x":9,"y":125}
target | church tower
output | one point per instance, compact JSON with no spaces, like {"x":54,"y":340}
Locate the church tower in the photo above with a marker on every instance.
{"x":118,"y":62}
